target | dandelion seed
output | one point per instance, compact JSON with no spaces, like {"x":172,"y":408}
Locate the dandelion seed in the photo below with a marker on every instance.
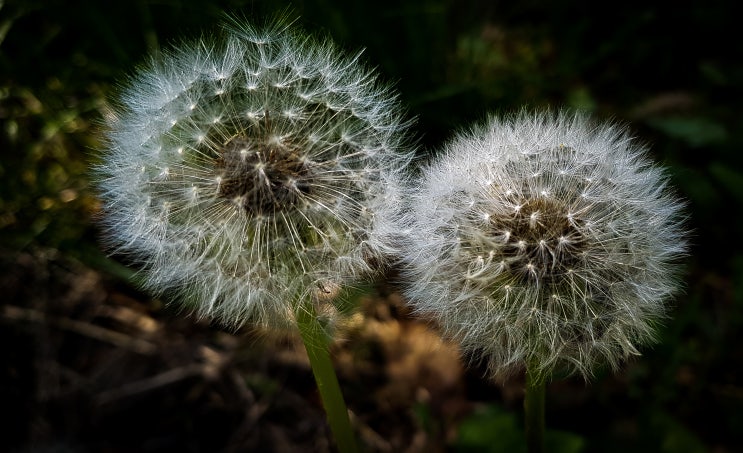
{"x":265,"y":199}
{"x":574,"y":280}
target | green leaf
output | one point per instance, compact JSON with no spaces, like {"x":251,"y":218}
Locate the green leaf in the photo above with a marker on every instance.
{"x":731,"y":179}
{"x":695,"y":131}
{"x":493,"y":430}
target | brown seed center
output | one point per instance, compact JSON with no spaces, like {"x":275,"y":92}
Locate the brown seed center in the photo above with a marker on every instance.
{"x":541,"y":239}
{"x":260,"y":176}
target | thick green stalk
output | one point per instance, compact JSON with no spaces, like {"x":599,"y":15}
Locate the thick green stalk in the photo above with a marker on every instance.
{"x":316,"y":343}
{"x":534,"y":410}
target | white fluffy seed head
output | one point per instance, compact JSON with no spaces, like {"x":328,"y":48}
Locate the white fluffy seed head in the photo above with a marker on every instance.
{"x":245,"y":174}
{"x":544,"y":239}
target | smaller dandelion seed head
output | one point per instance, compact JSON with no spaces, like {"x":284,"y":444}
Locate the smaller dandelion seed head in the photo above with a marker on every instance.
{"x":582,"y":238}
{"x":251,"y":191}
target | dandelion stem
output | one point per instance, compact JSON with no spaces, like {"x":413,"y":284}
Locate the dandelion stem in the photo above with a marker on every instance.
{"x":534,"y":410}
{"x":316,"y":343}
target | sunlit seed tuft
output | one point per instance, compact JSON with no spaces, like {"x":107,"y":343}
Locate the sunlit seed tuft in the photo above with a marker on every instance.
{"x":261,"y":199}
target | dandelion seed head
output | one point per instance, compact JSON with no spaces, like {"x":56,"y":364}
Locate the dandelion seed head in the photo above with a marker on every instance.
{"x":576,"y":276}
{"x":249,"y":194}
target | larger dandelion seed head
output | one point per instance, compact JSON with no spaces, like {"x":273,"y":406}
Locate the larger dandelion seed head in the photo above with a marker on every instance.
{"x":249,"y":173}
{"x":546,"y":240}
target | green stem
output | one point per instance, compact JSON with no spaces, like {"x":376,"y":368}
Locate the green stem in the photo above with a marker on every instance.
{"x":534,"y":410}
{"x":316,"y":343}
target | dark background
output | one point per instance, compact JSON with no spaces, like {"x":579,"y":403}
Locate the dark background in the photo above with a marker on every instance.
{"x":91,"y":364}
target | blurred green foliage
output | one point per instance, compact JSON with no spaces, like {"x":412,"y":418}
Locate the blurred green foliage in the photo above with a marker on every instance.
{"x":494,"y":430}
{"x":674,"y":73}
